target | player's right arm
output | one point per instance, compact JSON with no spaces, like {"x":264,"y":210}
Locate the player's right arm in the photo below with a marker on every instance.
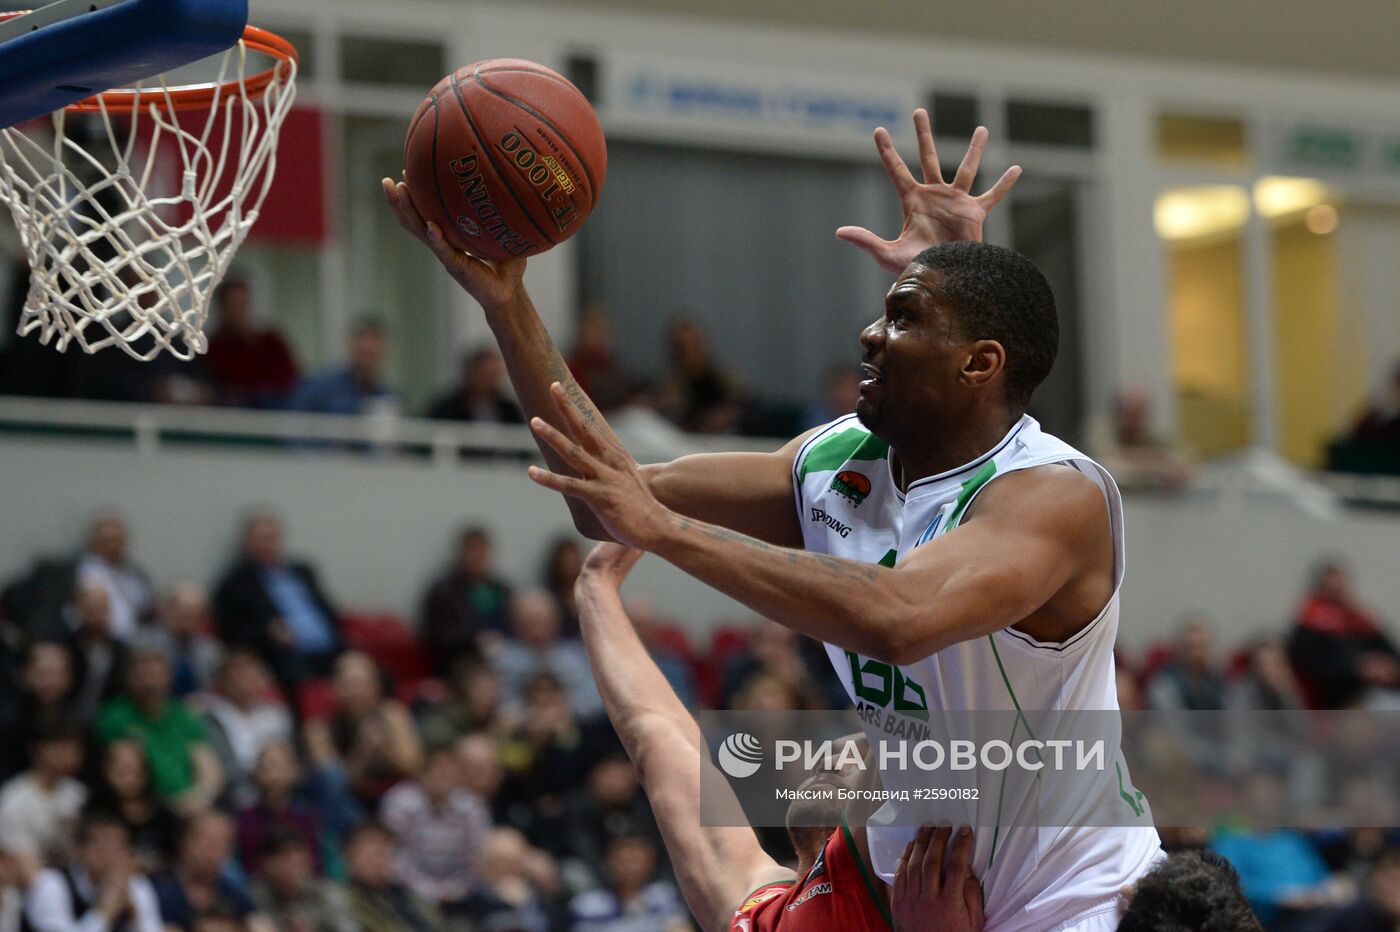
{"x":746,"y":492}
{"x":716,"y":867}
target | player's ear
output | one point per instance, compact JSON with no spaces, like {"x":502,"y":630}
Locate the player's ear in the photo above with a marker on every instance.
{"x":985,"y":358}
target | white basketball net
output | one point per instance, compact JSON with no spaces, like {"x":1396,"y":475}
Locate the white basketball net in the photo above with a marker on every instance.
{"x":113,"y":259}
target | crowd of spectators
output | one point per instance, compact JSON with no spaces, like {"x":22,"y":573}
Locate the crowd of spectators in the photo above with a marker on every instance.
{"x":250,"y":364}
{"x":1334,"y":655}
{"x":262,"y":758}
{"x":252,"y":756}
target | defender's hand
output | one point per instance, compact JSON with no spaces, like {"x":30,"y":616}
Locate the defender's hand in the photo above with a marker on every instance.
{"x":929,"y":895}
{"x":936,"y":211}
{"x":608,"y":478}
{"x":609,"y":564}
{"x":493,"y":284}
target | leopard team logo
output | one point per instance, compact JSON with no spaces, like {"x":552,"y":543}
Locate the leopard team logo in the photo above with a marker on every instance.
{"x":852,"y":486}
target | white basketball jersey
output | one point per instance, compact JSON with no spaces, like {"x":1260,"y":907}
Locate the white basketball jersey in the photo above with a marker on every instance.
{"x":1033,"y":878}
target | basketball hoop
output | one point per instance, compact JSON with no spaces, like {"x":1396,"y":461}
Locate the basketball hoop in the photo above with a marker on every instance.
{"x":114,"y":258}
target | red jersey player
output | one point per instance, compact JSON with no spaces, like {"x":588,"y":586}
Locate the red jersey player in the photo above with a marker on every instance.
{"x":728,"y":881}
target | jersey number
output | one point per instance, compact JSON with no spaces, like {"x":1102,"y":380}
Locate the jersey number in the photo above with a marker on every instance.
{"x":883,"y":684}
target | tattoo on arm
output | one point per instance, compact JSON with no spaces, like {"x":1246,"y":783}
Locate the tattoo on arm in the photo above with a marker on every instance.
{"x":846,"y":569}
{"x":559,"y":372}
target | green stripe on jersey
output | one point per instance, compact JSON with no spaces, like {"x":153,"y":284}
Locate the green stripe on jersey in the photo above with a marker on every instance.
{"x":969,"y":489}
{"x":831,"y":452}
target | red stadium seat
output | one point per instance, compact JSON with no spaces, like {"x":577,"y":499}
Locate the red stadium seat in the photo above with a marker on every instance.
{"x":726,"y":644}
{"x":394,"y":647}
{"x":1157,"y":657}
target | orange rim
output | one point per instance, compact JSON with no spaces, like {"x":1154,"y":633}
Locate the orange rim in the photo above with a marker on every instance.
{"x":194,"y":96}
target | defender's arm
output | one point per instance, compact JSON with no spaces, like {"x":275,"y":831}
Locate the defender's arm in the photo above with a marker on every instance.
{"x":715,"y":867}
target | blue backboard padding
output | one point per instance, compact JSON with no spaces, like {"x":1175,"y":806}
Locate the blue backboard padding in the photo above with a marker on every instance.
{"x":62,"y":63}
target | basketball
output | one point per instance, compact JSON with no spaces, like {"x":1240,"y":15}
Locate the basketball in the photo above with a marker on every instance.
{"x":507,"y":157}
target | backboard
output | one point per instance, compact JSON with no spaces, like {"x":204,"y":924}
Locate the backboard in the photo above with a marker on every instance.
{"x":69,"y":50}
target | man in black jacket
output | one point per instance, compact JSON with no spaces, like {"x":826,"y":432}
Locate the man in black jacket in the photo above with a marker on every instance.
{"x":276,"y":607}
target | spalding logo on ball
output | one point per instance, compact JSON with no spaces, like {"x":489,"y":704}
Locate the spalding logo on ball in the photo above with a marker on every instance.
{"x":506,"y":157}
{"x":740,"y":755}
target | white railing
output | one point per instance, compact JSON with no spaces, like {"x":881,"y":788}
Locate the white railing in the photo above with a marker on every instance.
{"x":153,"y":427}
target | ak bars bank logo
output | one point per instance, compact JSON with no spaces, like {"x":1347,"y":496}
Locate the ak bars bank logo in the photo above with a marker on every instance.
{"x":741,"y":755}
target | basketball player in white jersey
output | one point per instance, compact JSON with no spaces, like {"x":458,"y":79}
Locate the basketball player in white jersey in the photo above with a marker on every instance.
{"x":951,"y":555}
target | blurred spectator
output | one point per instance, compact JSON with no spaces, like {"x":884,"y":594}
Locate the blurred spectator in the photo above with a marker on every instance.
{"x":106,"y":563}
{"x":675,"y":665}
{"x":104,"y":889}
{"x":1268,"y":682}
{"x":473,"y":704}
{"x":370,"y":735}
{"x":538,"y":647}
{"x":776,"y":651}
{"x":481,"y":395}
{"x":1138,"y":458}
{"x":1378,"y":909}
{"x":1283,"y":875}
{"x":633,"y":899}
{"x":562,"y":562}
{"x":1190,"y":681}
{"x":466,"y":601}
{"x":1268,"y":685}
{"x":611,"y":805}
{"x":594,"y":364}
{"x":124,"y":792}
{"x":375,"y":902}
{"x":479,"y":756}
{"x":276,"y":607}
{"x":101,"y":658}
{"x":16,"y":876}
{"x":1380,"y":422}
{"x":184,"y":768}
{"x":440,"y":826}
{"x":840,"y":392}
{"x":766,"y":692}
{"x":358,"y":387}
{"x":288,"y":891}
{"x":250,"y":365}
{"x":39,"y":601}
{"x":1338,"y":647}
{"x":241,"y":717}
{"x":198,"y":882}
{"x":313,"y":802}
{"x":184,"y":620}
{"x":545,"y":754}
{"x":273,"y":807}
{"x":515,"y":880}
{"x":39,"y":808}
{"x":697,"y":394}
{"x":44,"y":697}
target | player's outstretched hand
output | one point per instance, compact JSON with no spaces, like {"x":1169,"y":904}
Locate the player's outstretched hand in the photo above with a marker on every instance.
{"x":929,"y":894}
{"x":606,"y":477}
{"x":609,"y":564}
{"x":493,"y":284}
{"x":935,"y":211}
